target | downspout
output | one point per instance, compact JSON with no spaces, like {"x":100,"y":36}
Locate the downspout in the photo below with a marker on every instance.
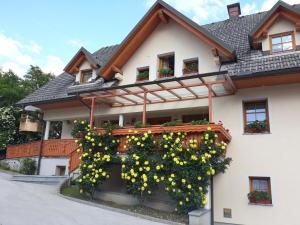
{"x":41,"y":148}
{"x":212,"y":201}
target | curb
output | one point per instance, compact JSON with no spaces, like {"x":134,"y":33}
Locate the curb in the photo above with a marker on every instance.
{"x":153,"y":219}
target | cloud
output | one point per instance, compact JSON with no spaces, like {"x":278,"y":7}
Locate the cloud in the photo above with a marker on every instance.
{"x":75,"y":42}
{"x":34,"y":47}
{"x":201,"y":11}
{"x":53,"y":65}
{"x":249,"y":8}
{"x":17,"y":69}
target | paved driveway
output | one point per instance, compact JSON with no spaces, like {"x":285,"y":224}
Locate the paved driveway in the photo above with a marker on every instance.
{"x":36,"y":204}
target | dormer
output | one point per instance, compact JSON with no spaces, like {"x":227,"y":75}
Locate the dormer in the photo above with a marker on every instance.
{"x":83,"y":66}
{"x":278,"y":30}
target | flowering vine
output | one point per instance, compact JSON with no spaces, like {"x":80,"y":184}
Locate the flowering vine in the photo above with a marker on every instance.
{"x":98,"y":153}
{"x":139,"y":168}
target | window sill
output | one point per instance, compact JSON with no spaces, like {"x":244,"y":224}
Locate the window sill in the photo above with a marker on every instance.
{"x":141,"y":81}
{"x":261,"y":204}
{"x":261,"y":133}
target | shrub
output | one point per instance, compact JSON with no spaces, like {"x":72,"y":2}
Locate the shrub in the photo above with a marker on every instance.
{"x":257,"y":196}
{"x":200,"y":122}
{"x":172,"y":123}
{"x":28,"y":166}
{"x":4,"y":165}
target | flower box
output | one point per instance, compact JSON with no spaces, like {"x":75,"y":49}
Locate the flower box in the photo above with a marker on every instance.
{"x":29,"y":124}
{"x":259,"y":197}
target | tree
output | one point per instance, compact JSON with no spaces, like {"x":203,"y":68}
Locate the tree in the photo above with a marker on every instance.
{"x":36,"y":78}
{"x":11,"y":89}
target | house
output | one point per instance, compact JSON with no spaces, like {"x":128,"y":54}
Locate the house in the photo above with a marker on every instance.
{"x":243,"y":71}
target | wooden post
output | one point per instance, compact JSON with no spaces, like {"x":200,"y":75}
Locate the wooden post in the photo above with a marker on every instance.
{"x":210,"y":103}
{"x":92,"y":113}
{"x":145,"y":109}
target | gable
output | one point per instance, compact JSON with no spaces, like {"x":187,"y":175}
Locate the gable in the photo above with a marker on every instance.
{"x":279,"y":11}
{"x":159,"y":13}
{"x":167,"y":39}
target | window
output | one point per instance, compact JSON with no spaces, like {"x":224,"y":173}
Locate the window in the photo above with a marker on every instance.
{"x":166,"y":65}
{"x":142,"y":74}
{"x":190,"y":67}
{"x":60,"y":171}
{"x":256,"y":117}
{"x":260,"y":190}
{"x":86,"y":76}
{"x":282,"y":42}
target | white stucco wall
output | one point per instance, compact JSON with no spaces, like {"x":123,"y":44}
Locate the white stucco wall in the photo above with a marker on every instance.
{"x":67,"y":127}
{"x":274,"y":155}
{"x":169,"y":38}
{"x":48,"y":165}
{"x":280,"y":26}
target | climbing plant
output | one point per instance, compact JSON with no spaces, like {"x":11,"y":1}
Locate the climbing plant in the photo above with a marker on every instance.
{"x":188,"y":166}
{"x":98,"y":153}
{"x":139,"y":168}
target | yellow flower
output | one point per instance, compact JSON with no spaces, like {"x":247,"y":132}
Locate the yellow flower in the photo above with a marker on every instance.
{"x":146,"y":162}
{"x":137,"y":163}
{"x":123,"y":166}
{"x":149,"y":192}
{"x":145,"y":184}
{"x":76,"y":141}
{"x":199,"y":178}
{"x":132,"y":180}
{"x":104,"y":174}
{"x":183,"y":180}
{"x":82,"y":122}
{"x":142,"y":188}
{"x":209,"y":128}
{"x":81,"y":191}
{"x":148,"y":168}
{"x":189,"y":186}
{"x":180,"y":203}
{"x":187,"y":199}
{"x":157,"y":167}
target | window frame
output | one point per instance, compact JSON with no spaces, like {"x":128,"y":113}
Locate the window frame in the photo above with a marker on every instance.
{"x":81,"y":75}
{"x":144,"y":68}
{"x":187,"y":61}
{"x":160,"y":64}
{"x":269,"y":190}
{"x":292,"y":33}
{"x":245,"y":103}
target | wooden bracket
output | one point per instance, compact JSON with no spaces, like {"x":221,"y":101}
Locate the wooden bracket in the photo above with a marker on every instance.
{"x":215,"y":52}
{"x":162,"y":17}
{"x":116,"y":69}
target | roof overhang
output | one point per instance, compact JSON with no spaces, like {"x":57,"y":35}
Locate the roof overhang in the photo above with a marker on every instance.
{"x":279,"y":10}
{"x":160,"y":12}
{"x":81,"y":56}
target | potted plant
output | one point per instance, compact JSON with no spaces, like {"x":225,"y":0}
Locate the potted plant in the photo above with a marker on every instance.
{"x":261,"y":197}
{"x":257,"y":127}
{"x":143,"y":75}
{"x":166,"y":73}
{"x":190,"y":68}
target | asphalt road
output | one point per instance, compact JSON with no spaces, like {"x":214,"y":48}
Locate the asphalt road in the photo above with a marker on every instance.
{"x":37,"y":204}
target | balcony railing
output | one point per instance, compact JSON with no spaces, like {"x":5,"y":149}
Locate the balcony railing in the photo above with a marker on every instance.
{"x":47,"y":148}
{"x":193,"y":131}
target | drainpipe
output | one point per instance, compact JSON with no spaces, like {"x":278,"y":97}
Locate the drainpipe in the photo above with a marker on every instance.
{"x":212,"y":201}
{"x":40,"y":149}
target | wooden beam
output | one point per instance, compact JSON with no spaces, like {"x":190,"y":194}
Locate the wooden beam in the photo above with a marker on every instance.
{"x":92,"y":113}
{"x":116,"y":69}
{"x":164,"y":88}
{"x":230,"y":82}
{"x":210,"y":118}
{"x":145,"y":109}
{"x":189,"y":89}
{"x":152,"y":93}
{"x":162,"y":17}
{"x":297,"y":26}
{"x":135,"y":94}
{"x":206,"y":84}
{"x":215,"y":52}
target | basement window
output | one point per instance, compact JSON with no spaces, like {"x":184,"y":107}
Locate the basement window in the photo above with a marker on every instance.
{"x":166,"y":65}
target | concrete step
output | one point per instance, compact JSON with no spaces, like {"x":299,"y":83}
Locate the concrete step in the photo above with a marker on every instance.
{"x":39,"y":179}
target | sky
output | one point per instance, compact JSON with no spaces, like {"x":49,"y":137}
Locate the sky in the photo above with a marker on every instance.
{"x":48,"y":33}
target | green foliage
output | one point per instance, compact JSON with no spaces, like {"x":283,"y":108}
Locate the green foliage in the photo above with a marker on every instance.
{"x":4,"y":165}
{"x":110,"y":126}
{"x":166,"y":72}
{"x":172,"y":123}
{"x":143,"y":75}
{"x":200,"y":122}
{"x":191,"y":68}
{"x":99,"y":151}
{"x":36,"y":78}
{"x":28,"y":166}
{"x":55,"y":130}
{"x":138,"y":124}
{"x":139,"y":168}
{"x":188,"y":167}
{"x":257,"y":126}
{"x":256,"y":196}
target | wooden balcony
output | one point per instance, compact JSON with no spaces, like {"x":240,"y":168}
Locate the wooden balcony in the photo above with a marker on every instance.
{"x":193,"y":131}
{"x":48,"y":148}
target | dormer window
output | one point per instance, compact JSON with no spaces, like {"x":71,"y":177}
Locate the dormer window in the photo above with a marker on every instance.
{"x":86,"y":76}
{"x":282,"y":42}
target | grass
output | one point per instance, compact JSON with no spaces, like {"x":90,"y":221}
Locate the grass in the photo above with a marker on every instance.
{"x":73,"y":191}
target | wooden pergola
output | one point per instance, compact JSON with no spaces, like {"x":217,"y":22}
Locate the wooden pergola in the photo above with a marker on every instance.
{"x":166,"y":90}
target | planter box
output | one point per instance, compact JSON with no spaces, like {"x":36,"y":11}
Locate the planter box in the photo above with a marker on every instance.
{"x":29,"y":125}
